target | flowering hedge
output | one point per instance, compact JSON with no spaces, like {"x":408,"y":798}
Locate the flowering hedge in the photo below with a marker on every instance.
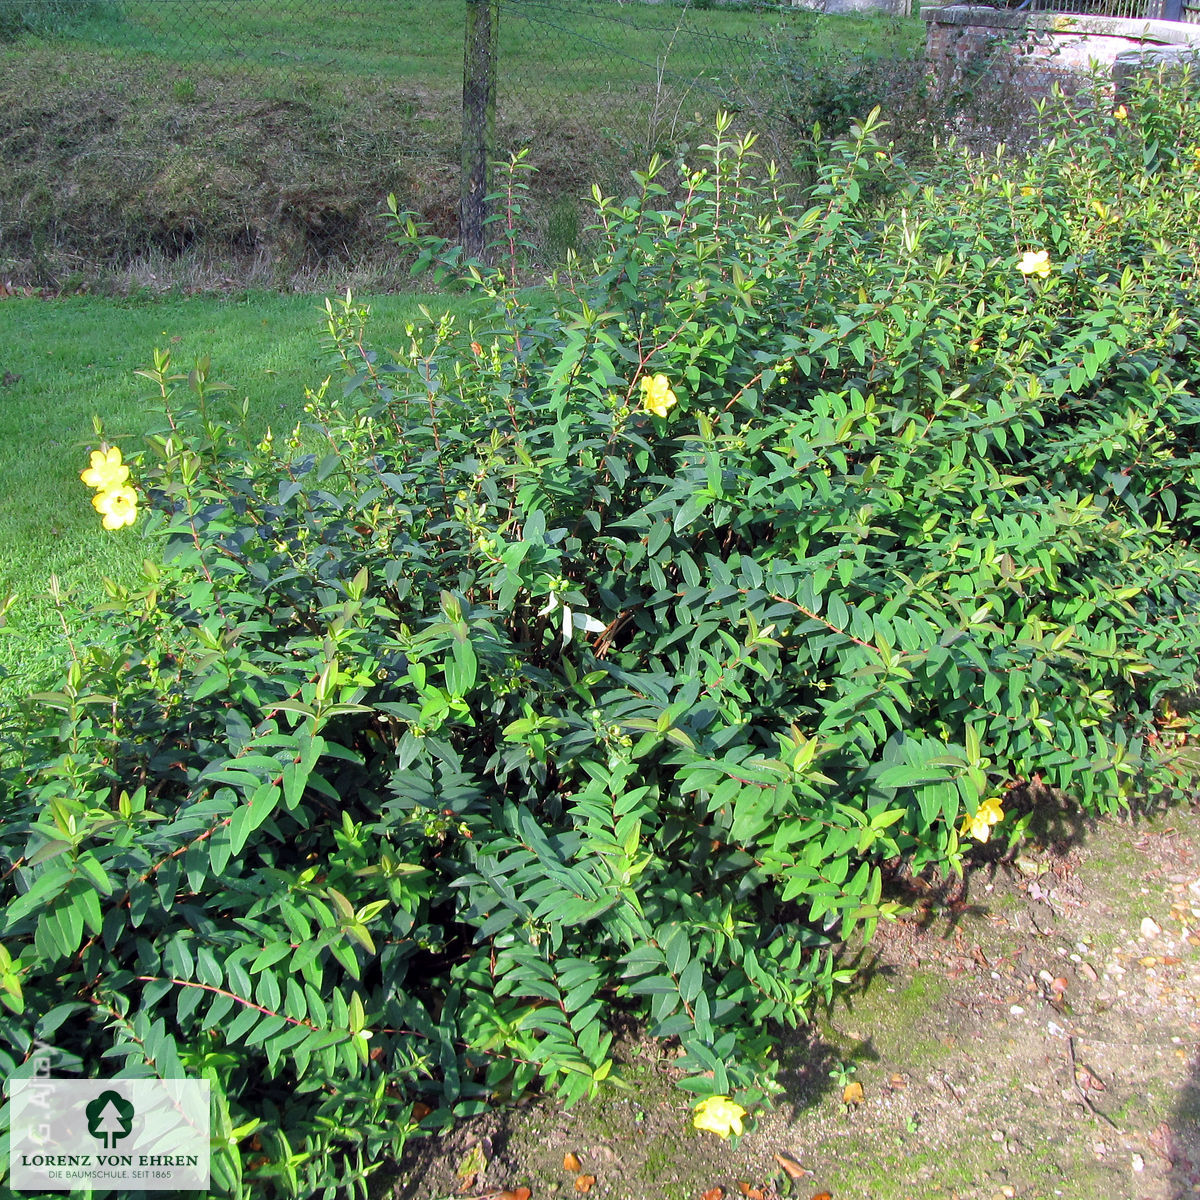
{"x":597,"y":657}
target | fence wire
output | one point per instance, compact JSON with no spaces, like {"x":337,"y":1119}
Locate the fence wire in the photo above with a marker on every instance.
{"x":594,"y":88}
{"x":281,"y":125}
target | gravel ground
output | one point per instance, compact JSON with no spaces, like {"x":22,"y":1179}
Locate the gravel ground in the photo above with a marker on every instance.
{"x":1031,"y":1033}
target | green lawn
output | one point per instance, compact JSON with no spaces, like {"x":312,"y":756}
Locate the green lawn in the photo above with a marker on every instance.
{"x":560,"y":49}
{"x":76,"y":358}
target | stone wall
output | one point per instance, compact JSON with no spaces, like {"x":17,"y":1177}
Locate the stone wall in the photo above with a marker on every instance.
{"x":895,"y":8}
{"x":1033,"y":51}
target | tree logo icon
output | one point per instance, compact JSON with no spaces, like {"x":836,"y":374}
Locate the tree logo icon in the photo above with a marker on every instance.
{"x":109,"y":1118}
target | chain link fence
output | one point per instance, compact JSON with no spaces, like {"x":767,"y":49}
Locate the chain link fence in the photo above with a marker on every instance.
{"x":594,"y":89}
{"x":159,"y":130}
{"x":278,"y":127}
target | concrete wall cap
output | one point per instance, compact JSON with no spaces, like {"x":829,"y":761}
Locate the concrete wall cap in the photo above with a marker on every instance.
{"x":1152,"y":56}
{"x":1160,"y":32}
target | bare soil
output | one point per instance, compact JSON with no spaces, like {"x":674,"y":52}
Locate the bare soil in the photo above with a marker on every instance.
{"x":1032,"y":1032}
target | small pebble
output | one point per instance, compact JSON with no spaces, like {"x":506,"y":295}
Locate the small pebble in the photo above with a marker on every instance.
{"x":1138,"y":1163}
{"x":1017,"y":1010}
{"x":1150,"y":928}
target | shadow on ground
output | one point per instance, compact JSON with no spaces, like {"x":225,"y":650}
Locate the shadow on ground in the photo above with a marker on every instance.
{"x":1183,"y":1139}
{"x":1031,"y":1031}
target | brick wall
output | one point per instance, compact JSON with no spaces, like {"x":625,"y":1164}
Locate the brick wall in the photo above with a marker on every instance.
{"x":1033,"y":51}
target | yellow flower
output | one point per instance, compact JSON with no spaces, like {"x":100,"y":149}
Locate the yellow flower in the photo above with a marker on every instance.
{"x":719,"y":1115}
{"x":118,"y":506}
{"x":1035,"y":263}
{"x":657,"y":395}
{"x":1121,"y":113}
{"x":107,"y":470}
{"x":1027,"y":191}
{"x":979,"y":826}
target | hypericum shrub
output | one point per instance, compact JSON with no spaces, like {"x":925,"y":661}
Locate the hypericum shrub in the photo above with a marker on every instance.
{"x":595,"y":658}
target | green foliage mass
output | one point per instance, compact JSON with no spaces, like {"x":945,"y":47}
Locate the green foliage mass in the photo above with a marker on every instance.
{"x":514,"y":706}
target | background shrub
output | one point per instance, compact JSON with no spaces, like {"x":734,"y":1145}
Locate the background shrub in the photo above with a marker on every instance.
{"x":490,"y":703}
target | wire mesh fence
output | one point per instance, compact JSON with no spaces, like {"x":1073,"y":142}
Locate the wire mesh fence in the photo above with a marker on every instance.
{"x":281,"y":125}
{"x":278,"y":127}
{"x":593,"y":89}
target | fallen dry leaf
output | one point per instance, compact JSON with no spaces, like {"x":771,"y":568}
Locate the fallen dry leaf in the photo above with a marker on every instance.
{"x":751,"y":1193}
{"x":571,"y":1162}
{"x":852,"y":1093}
{"x":822,"y":1196}
{"x":717,"y":1193}
{"x":583,"y":1183}
{"x":898,"y":1083}
{"x":419,"y":1111}
{"x":521,"y":1193}
{"x":791,"y":1167}
{"x":471,"y":1167}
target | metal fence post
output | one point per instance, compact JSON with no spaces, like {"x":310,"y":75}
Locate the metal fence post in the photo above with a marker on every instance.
{"x":479,"y":122}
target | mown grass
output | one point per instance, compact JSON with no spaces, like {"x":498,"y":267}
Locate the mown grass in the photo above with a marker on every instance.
{"x":69,"y":360}
{"x":564,"y":49}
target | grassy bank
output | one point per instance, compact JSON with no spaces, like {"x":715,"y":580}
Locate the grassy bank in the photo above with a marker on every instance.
{"x":166,"y":144}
